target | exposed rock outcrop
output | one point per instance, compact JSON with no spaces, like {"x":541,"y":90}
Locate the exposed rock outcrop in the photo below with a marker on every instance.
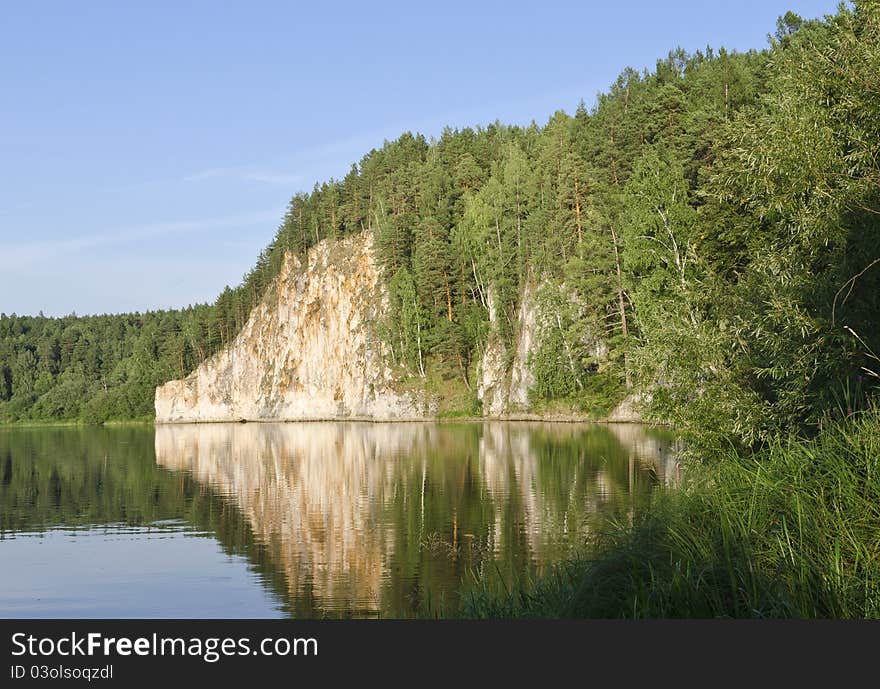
{"x":309,"y":351}
{"x":504,"y":378}
{"x":501,"y":388}
{"x":628,"y":410}
{"x":527,"y":340}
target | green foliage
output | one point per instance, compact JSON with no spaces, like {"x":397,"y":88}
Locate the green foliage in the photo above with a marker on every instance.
{"x":95,"y":368}
{"x":570,"y":356}
{"x":408,"y":316}
{"x":778,"y":313}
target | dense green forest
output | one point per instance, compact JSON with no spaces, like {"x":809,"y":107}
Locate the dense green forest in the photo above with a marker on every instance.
{"x":713,"y":221}
{"x":94,"y":368}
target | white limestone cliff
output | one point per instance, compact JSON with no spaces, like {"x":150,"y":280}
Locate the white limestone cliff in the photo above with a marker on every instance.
{"x":309,"y":351}
{"x":504,"y":390}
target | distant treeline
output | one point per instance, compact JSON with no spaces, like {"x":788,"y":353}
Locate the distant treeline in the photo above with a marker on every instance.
{"x":94,"y":368}
{"x":107,"y":367}
{"x":713,"y":222}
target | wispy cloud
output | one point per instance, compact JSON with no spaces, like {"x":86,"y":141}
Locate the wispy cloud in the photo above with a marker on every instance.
{"x":210,"y":173}
{"x":243,"y":173}
{"x":271,"y":178}
{"x":17,"y":253}
{"x":321,"y":160}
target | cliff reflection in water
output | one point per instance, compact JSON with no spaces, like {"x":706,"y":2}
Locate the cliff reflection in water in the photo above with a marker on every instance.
{"x":387,"y":519}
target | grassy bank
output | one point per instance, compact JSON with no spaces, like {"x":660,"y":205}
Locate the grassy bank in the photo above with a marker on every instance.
{"x":791,"y":532}
{"x":63,"y":423}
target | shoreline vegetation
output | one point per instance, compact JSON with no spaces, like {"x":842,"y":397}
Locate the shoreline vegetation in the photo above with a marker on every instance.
{"x":507,"y":418}
{"x":790,"y":531}
{"x":707,"y":234}
{"x":52,"y":423}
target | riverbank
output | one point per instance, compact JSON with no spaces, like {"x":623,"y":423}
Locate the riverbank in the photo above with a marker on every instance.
{"x":793,"y":531}
{"x":71,"y":423}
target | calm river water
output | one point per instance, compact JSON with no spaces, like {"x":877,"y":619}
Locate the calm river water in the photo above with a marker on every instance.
{"x":303,"y":520}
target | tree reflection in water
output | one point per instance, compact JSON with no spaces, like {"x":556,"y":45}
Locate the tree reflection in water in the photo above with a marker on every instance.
{"x":388,"y":519}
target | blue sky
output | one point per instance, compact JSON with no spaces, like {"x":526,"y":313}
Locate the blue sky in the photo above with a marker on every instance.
{"x":147,"y":150}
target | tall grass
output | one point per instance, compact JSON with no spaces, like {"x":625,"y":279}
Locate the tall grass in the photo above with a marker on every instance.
{"x":793,"y":531}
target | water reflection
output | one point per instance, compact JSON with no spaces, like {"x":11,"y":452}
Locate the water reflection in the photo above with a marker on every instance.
{"x":387,"y":519}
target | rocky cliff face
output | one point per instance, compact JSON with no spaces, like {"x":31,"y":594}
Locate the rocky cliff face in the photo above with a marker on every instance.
{"x":309,"y":351}
{"x":504,"y":377}
{"x":503,"y":390}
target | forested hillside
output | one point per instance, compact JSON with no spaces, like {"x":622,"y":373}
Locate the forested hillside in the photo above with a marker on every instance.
{"x":94,"y":368}
{"x":714,"y":221}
